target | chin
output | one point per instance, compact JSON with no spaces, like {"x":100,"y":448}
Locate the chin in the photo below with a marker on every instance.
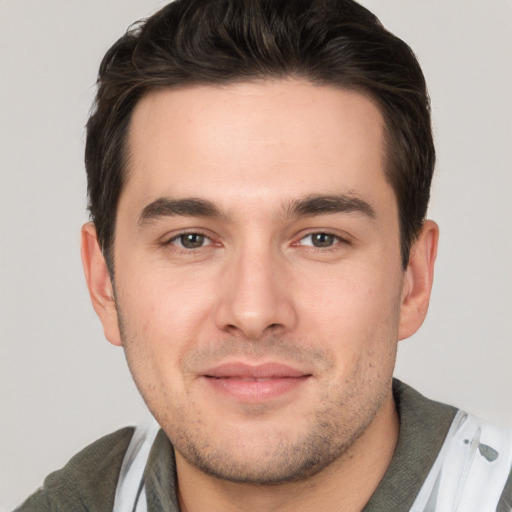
{"x":262,"y":458}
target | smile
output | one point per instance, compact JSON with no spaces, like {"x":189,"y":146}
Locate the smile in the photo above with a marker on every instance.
{"x":255,"y":384}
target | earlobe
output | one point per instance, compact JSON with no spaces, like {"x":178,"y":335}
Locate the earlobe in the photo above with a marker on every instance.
{"x":418,"y":280}
{"x":99,"y":284}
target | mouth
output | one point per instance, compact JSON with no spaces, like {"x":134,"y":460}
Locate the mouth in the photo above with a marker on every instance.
{"x":255,"y":383}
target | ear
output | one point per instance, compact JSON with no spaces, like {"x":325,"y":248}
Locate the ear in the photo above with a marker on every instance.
{"x":100,"y":287}
{"x":418,"y":279}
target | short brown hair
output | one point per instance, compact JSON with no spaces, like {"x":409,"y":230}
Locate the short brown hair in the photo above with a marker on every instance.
{"x":332,"y":42}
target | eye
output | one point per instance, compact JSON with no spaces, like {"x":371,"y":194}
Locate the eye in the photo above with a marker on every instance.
{"x":320,"y":240}
{"x":190,"y":240}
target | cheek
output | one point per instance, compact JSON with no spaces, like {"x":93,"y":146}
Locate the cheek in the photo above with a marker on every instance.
{"x":354,"y":309}
{"x":353,"y":292}
{"x":159,"y":295}
{"x":162,"y":317}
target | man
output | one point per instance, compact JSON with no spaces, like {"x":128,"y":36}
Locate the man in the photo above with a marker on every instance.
{"x":259,"y":176}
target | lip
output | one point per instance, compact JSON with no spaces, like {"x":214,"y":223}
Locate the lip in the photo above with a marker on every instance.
{"x":254,"y":383}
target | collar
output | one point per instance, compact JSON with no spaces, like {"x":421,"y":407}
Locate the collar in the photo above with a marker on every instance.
{"x":423,"y":428}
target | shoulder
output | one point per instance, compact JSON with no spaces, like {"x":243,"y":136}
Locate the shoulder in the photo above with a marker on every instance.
{"x":472,"y":466}
{"x":505,"y":503}
{"x":456,"y":456}
{"x":87,"y":482}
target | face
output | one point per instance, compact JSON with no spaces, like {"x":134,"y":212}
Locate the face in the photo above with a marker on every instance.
{"x":258,"y":281}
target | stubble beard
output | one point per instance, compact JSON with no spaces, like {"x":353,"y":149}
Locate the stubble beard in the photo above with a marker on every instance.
{"x":275,"y":459}
{"x":270,"y":458}
{"x":279,"y":459}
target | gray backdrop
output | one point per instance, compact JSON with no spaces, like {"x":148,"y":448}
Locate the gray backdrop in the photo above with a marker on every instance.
{"x":62,"y":385}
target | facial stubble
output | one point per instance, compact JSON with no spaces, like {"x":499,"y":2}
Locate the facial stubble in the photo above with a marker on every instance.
{"x":274,"y":456}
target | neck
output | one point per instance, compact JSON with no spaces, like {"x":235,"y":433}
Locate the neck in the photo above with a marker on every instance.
{"x":347,"y":484}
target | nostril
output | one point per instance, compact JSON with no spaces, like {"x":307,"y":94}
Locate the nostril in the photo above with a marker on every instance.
{"x":231,"y":329}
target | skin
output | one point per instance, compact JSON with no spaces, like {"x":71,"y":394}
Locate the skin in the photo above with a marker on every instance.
{"x":252,"y":277}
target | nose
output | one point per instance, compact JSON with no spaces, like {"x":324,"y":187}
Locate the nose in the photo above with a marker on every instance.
{"x":256,"y":298}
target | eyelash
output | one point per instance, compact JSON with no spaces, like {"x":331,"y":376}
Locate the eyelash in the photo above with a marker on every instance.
{"x":337,"y":240}
{"x":179,"y":236}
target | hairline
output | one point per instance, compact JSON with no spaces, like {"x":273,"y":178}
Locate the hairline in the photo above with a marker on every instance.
{"x":126,"y":156}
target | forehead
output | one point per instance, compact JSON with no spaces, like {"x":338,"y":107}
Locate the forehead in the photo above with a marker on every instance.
{"x":246,"y":141}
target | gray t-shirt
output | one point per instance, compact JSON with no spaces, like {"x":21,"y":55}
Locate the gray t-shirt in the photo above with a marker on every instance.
{"x":88,"y":482}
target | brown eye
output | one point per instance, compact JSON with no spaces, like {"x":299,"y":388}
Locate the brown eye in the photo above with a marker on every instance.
{"x":320,"y":240}
{"x":191,"y":240}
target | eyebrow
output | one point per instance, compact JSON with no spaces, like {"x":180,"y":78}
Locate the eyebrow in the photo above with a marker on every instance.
{"x":305,"y":207}
{"x":188,"y":207}
{"x":329,"y":204}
